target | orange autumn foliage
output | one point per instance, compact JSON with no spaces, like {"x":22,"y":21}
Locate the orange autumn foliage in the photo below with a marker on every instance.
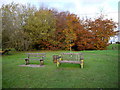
{"x":80,"y":34}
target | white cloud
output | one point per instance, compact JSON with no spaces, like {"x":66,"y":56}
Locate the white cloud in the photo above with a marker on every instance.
{"x":91,"y":8}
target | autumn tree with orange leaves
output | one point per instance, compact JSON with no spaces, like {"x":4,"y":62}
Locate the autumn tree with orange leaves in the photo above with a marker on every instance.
{"x":48,"y":29}
{"x":95,"y":34}
{"x":101,"y":30}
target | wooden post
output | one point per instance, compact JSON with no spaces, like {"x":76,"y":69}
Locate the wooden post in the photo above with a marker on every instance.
{"x":27,"y":61}
{"x":82,"y":62}
{"x":41,"y":62}
{"x":58,"y":63}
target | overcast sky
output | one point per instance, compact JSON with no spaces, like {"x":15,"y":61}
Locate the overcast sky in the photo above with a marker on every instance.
{"x":83,"y":8}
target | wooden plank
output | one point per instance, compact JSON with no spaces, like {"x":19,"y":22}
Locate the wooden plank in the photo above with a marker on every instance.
{"x":35,"y":59}
{"x":36,"y":56}
{"x":65,"y":61}
{"x":36,"y":53}
{"x":71,"y":54}
{"x":70,"y":59}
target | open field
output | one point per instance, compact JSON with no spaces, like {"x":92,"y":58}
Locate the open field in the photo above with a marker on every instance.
{"x":100,"y":71}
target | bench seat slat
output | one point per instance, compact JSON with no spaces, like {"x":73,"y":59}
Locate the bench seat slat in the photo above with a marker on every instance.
{"x":35,"y":53}
{"x":71,"y":60}
{"x":36,"y":56}
{"x":35,"y":59}
{"x":71,"y":54}
{"x":66,"y":61}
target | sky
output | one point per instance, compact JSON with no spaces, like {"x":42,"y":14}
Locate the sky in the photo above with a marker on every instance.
{"x":83,"y":8}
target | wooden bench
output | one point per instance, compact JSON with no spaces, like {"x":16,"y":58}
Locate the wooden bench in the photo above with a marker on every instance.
{"x":35,"y":56}
{"x":75,"y":58}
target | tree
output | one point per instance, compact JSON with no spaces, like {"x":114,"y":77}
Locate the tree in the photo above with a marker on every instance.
{"x":72,"y":22}
{"x":61,"y":24}
{"x":102,"y":29}
{"x":40,"y":27}
{"x":25,"y":28}
{"x":13,"y":18}
{"x":94,"y":34}
{"x":66,"y":26}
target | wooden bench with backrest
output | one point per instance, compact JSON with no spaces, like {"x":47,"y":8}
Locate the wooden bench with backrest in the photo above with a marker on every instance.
{"x":75,"y":58}
{"x":35,"y":56}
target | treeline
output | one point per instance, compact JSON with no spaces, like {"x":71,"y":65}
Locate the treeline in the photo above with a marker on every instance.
{"x":27,"y":28}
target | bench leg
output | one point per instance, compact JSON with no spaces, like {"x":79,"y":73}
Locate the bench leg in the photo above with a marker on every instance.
{"x":82,"y":63}
{"x":58,"y":63}
{"x":41,"y":62}
{"x":27,"y":61}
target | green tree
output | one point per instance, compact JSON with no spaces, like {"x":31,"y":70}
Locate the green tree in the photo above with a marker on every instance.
{"x":40,"y":27}
{"x":13,"y":18}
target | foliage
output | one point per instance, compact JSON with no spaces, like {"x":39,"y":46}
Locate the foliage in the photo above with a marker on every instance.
{"x":60,"y":26}
{"x":26,"y":28}
{"x":70,"y":36}
{"x":40,"y":27}
{"x":13,"y":18}
{"x":102,"y":30}
{"x":94,"y":34}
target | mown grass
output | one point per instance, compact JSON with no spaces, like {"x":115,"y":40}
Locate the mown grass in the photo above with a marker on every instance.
{"x":100,"y":71}
{"x":113,"y":47}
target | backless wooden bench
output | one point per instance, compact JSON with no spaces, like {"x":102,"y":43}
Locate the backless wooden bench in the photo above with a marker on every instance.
{"x":75,"y":58}
{"x":35,"y":56}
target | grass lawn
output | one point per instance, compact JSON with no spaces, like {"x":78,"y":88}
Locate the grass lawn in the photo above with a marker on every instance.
{"x":100,"y":71}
